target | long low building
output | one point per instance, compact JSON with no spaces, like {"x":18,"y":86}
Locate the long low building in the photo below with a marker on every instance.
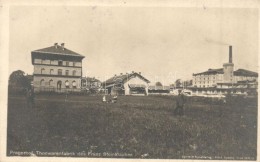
{"x":127,"y":84}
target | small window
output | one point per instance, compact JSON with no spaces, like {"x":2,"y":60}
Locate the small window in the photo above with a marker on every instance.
{"x":42,"y":82}
{"x":51,"y":71}
{"x":59,"y":71}
{"x":42,"y":71}
{"x":67,"y":72}
{"x":51,"y":82}
{"x":74,"y":84}
{"x":74,"y":73}
{"x":74,"y":63}
{"x":67,"y":84}
{"x":67,"y":63}
{"x":60,"y":63}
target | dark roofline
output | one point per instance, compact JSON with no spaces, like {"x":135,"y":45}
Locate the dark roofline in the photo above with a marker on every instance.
{"x":57,"y":51}
{"x":211,"y":71}
{"x":244,"y":72}
{"x":124,"y":77}
{"x":53,"y":53}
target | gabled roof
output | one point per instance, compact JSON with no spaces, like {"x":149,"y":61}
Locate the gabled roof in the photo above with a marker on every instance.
{"x":211,"y":71}
{"x":243,"y":72}
{"x":59,"y":50}
{"x":124,"y":78}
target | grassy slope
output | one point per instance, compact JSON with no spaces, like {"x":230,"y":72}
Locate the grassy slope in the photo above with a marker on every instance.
{"x":136,"y":125}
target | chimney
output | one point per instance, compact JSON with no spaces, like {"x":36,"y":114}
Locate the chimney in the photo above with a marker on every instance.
{"x":121,"y":73}
{"x":133,"y":71}
{"x":230,"y":54}
{"x":140,"y":73}
{"x":62,"y":45}
{"x":56,"y":45}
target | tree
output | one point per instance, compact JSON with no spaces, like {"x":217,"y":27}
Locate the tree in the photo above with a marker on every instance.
{"x":18,"y":79}
{"x":178,"y":83}
{"x":158,"y":84}
{"x":188,"y":83}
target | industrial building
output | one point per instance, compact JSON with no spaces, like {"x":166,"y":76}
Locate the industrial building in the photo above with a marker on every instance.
{"x":224,"y":80}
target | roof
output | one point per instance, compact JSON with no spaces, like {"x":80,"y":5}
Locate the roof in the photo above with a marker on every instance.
{"x":59,"y":50}
{"x":153,"y":87}
{"x":90,"y":79}
{"x":243,"y":72}
{"x":239,"y":72}
{"x":124,"y":77}
{"x":211,"y":71}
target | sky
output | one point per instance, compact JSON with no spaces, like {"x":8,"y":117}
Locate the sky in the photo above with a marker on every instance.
{"x":163,"y":43}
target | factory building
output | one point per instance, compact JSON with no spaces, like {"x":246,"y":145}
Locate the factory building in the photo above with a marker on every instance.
{"x":225,"y":79}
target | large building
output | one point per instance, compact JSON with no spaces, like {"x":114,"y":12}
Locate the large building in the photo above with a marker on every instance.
{"x":127,"y":84}
{"x":56,"y":68}
{"x":224,"y":79}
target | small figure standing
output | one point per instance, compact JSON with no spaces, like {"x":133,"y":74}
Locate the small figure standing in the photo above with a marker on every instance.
{"x":66,"y":96}
{"x":30,"y":97}
{"x":180,"y":101}
{"x":104,"y":99}
{"x":114,"y":99}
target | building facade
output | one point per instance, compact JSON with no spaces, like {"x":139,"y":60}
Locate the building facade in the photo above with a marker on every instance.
{"x":56,"y":68}
{"x":216,"y":80}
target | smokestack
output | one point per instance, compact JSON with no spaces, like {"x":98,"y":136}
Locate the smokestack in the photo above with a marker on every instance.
{"x":230,"y":54}
{"x":62,"y":46}
{"x":56,"y":45}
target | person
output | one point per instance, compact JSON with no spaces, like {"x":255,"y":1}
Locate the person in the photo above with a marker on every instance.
{"x":114,"y":99}
{"x":180,"y":101}
{"x":30,"y":97}
{"x":104,"y":99}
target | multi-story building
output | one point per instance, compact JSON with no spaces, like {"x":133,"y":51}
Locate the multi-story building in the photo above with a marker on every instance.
{"x":56,"y":68}
{"x":226,"y":77}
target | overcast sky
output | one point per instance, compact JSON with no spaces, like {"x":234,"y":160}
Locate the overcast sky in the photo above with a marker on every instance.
{"x":164,"y":43}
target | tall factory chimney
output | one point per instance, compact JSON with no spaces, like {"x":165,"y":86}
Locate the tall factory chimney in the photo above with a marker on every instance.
{"x":228,"y":69}
{"x":230,"y":54}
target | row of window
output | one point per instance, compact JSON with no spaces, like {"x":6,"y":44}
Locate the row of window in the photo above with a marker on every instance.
{"x":54,"y":62}
{"x":59,"y":83}
{"x":203,"y":82}
{"x":74,"y":72}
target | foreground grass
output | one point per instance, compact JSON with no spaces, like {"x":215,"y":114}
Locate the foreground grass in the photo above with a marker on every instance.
{"x":135,"y":125}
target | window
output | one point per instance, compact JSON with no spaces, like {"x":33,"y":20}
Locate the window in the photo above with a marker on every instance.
{"x":51,"y":71}
{"x":50,"y":82}
{"x":42,"y":82}
{"x":74,"y":63}
{"x":74,"y":73}
{"x":67,"y":63}
{"x":59,"y":71}
{"x":42,"y":71}
{"x":67,"y":72}
{"x":74,"y":84}
{"x":67,"y":84}
{"x":60,"y":63}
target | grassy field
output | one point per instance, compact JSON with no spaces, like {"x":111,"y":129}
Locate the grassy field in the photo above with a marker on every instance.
{"x":141,"y":127}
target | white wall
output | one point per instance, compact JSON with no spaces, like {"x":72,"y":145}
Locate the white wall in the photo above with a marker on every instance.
{"x":135,"y":80}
